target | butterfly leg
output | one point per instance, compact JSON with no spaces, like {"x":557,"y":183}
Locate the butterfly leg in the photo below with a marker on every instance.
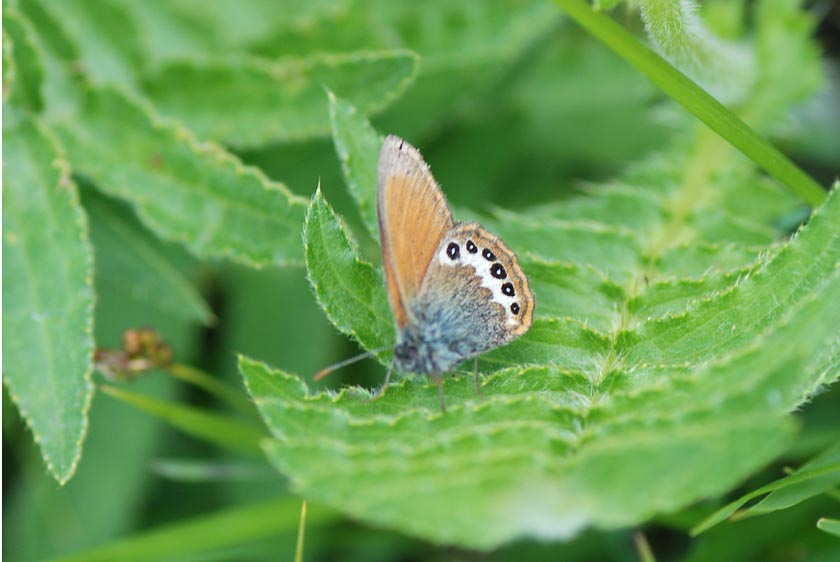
{"x":381,"y":390}
{"x":475,"y":378}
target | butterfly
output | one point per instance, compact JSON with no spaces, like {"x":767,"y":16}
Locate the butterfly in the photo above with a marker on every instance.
{"x":455,"y":289}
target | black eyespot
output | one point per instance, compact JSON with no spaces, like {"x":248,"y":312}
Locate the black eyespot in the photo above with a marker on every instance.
{"x":514,"y":308}
{"x":471,"y":248}
{"x":507,"y":289}
{"x":488,"y":255}
{"x":497,"y":271}
{"x":453,"y":251}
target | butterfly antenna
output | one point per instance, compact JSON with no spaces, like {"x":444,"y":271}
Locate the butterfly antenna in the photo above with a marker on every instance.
{"x":327,"y":370}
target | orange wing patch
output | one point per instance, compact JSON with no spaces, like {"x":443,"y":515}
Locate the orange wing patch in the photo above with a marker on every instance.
{"x":413,"y":218}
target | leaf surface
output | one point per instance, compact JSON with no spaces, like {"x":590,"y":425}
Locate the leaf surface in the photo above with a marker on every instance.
{"x":672,"y":337}
{"x":47,"y":295}
{"x":252,"y":102}
{"x":129,"y":262}
{"x":183,"y":190}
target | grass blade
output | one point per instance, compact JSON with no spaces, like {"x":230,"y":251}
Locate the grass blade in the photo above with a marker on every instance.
{"x":696,"y":100}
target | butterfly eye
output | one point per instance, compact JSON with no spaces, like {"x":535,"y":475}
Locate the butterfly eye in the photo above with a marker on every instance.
{"x":453,"y":251}
{"x":471,"y":248}
{"x":507,"y":289}
{"x":514,"y":308}
{"x":488,"y":255}
{"x":498,"y":271}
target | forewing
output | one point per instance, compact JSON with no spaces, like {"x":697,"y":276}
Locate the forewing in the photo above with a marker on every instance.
{"x":413,"y":217}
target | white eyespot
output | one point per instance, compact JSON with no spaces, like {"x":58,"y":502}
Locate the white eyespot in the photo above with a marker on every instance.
{"x":491,"y":272}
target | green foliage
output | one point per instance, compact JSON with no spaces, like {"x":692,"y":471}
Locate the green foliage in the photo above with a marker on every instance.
{"x":698,"y":101}
{"x":251,"y":102}
{"x":132,"y":263}
{"x":23,"y":72}
{"x":194,"y":193}
{"x":831,"y":526}
{"x":205,"y":533}
{"x":348,"y":289}
{"x":679,"y":324}
{"x":47,"y":294}
{"x":229,"y":433}
{"x":681,"y":394}
{"x":812,"y":479}
{"x":357,"y":146}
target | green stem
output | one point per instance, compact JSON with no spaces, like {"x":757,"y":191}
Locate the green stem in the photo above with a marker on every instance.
{"x":212,"y":385}
{"x":224,"y":431}
{"x":695,"y":99}
{"x":301,"y":533}
{"x":643,"y":547}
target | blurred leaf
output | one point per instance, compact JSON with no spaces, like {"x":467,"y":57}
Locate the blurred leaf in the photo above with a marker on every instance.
{"x":214,"y":386}
{"x":466,"y":48}
{"x":251,"y":102}
{"x":194,"y":193}
{"x":700,"y":103}
{"x":813,"y":478}
{"x":830,"y":526}
{"x":23,"y":88}
{"x":104,"y":35}
{"x":192,"y":470}
{"x":722,"y":66}
{"x":187,"y":29}
{"x":220,"y":430}
{"x":205,"y":533}
{"x":811,"y":130}
{"x":271,"y":314}
{"x":129,"y":262}
{"x":48,"y":296}
{"x":788,"y":60}
{"x":113,"y":486}
{"x":61,"y":86}
{"x":357,"y":145}
{"x":784,"y":535}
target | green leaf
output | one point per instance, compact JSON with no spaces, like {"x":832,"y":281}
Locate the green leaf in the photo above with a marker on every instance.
{"x":223,"y":431}
{"x":673,"y":338}
{"x":61,"y":85}
{"x":129,"y":262}
{"x":790,"y":69}
{"x":212,"y":470}
{"x":24,"y":89}
{"x":680,"y":34}
{"x":193,"y":193}
{"x":48,"y":296}
{"x":206,"y":533}
{"x":357,"y":145}
{"x":830,"y":526}
{"x":104,"y":35}
{"x":380,"y":462}
{"x":251,"y":102}
{"x":813,"y":478}
{"x":347,"y":288}
{"x":702,"y":105}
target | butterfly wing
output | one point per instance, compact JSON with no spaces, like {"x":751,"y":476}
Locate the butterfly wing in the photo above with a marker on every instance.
{"x":413,"y":217}
{"x":475,"y":297}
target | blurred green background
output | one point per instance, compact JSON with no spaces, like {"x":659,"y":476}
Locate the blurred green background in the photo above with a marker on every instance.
{"x":513,"y":106}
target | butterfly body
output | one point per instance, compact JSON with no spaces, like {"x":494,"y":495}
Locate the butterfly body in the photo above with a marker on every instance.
{"x":455,"y":289}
